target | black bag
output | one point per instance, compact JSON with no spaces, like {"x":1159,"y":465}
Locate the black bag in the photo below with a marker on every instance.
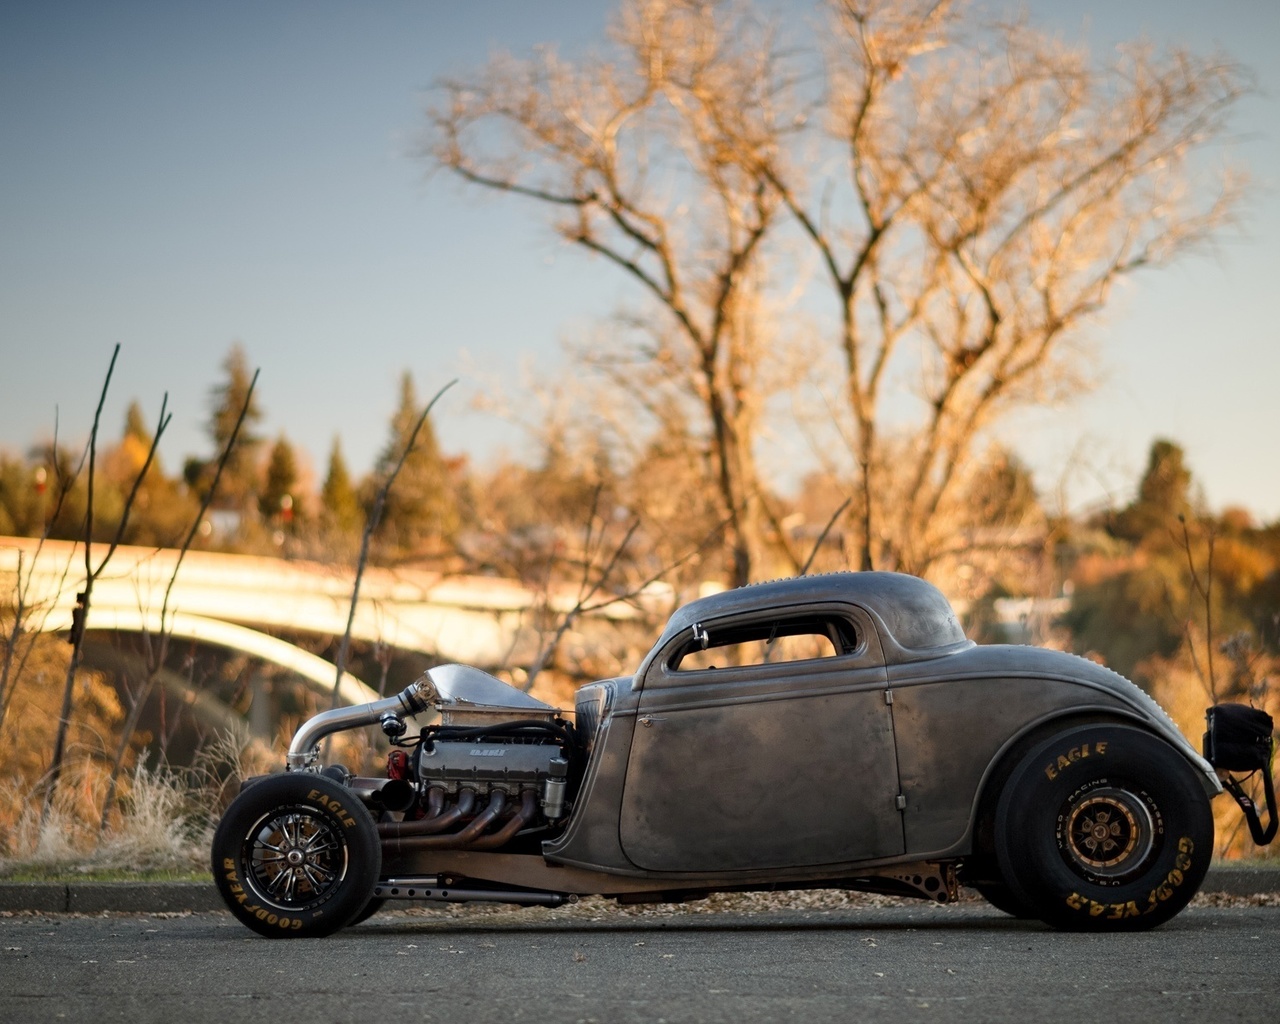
{"x":1239,"y":740}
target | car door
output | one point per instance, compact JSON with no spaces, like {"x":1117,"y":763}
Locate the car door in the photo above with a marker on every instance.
{"x":764,"y":741}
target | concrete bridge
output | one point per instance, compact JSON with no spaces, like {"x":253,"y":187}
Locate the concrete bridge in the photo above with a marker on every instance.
{"x":228,"y":600}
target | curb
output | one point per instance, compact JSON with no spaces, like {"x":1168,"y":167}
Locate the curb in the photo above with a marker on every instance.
{"x":97,"y":897}
{"x":200,"y":897}
{"x":1242,"y":879}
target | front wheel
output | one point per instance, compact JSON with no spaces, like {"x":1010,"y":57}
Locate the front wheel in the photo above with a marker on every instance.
{"x":296,"y":855}
{"x":1104,"y":828}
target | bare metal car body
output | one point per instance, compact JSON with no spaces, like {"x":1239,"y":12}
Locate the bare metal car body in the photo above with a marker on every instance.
{"x":901,"y":758}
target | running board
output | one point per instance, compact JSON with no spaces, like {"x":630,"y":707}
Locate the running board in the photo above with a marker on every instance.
{"x":437,"y":890}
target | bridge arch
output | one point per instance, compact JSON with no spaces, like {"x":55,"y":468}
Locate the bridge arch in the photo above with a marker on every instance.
{"x":311,"y":667}
{"x":470,"y":619}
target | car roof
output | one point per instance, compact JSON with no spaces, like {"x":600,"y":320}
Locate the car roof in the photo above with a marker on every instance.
{"x":916,"y":613}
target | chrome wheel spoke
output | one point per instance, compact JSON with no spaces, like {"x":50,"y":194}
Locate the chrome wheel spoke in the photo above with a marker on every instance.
{"x":297,"y":857}
{"x":291,"y":827}
{"x":318,"y":877}
{"x":282,"y":884}
{"x":320,"y":845}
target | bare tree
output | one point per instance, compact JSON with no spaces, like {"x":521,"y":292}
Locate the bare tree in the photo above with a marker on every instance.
{"x":972,"y":192}
{"x":980,"y":190}
{"x":20,"y":638}
{"x":607,"y":577}
{"x":91,"y":573}
{"x":157,"y":646}
{"x":628,"y":154}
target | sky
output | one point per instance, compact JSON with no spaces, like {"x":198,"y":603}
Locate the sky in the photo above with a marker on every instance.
{"x":177,"y":178}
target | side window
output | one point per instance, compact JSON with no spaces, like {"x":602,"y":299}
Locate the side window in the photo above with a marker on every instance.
{"x":766,"y":641}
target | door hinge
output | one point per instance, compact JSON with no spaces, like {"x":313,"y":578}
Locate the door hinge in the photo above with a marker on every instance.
{"x":901,"y":802}
{"x":888,"y":696}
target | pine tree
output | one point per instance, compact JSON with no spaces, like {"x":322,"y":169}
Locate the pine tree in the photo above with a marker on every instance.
{"x":279,"y":493}
{"x":1164,"y":494}
{"x":421,"y":510}
{"x":135,"y":425}
{"x":339,"y":502}
{"x":239,"y":481}
{"x":135,"y":443}
{"x":162,"y":512}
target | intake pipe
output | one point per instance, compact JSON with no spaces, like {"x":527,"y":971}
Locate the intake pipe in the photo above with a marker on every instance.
{"x":304,"y":751}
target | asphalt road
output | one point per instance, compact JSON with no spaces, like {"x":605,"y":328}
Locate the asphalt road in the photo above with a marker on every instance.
{"x":900,"y":963}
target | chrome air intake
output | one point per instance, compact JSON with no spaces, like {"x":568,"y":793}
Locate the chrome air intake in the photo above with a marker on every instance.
{"x":304,"y":751}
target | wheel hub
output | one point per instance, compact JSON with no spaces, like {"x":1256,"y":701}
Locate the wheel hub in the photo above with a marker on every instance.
{"x":1107,"y":833}
{"x":297,"y":857}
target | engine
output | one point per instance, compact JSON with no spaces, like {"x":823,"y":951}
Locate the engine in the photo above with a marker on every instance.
{"x":490,"y":765}
{"x":478,"y":788}
{"x":497,"y":766}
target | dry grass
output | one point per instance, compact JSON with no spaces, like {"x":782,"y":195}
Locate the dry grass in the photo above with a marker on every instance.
{"x":162,"y":824}
{"x":158,"y":828}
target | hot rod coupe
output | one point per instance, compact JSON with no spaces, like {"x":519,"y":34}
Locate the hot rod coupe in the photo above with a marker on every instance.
{"x":832,"y":731}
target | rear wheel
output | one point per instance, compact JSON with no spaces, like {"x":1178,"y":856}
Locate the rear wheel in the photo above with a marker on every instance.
{"x":1105,"y":828}
{"x":296,"y":855}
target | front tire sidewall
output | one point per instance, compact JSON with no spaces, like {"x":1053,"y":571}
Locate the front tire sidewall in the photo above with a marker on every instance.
{"x":352,"y":856}
{"x":1167,"y":830}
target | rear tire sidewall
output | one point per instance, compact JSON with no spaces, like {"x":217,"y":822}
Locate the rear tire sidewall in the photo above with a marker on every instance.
{"x":347,"y":850}
{"x":1104,"y":828}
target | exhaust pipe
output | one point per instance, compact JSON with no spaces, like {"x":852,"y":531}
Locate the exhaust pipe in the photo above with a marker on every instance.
{"x":399,"y":844}
{"x":384,"y":794}
{"x":433,"y":823}
{"x":521,"y":819}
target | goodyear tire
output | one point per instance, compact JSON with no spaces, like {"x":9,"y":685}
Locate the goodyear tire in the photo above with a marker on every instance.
{"x":1104,"y":828}
{"x":296,"y":855}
